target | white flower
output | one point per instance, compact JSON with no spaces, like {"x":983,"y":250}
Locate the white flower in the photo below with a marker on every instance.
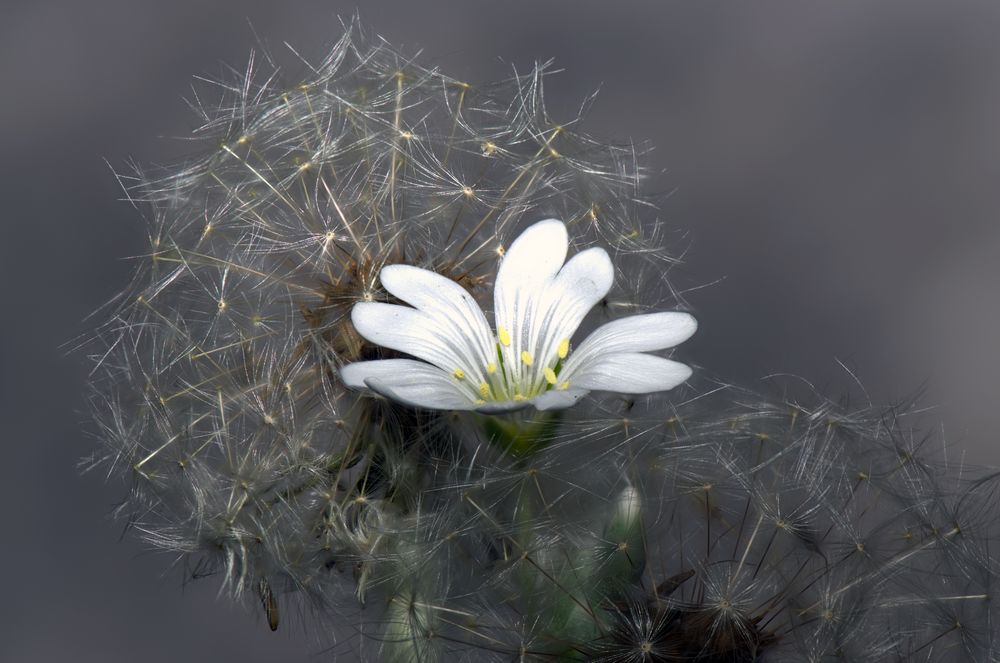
{"x":538,"y":304}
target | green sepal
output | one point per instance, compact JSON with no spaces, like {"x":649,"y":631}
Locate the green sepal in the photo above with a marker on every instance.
{"x":521,"y":439}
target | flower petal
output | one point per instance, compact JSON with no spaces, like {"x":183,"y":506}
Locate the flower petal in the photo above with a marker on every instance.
{"x":445,"y":301}
{"x":442,"y":343}
{"x":582,"y":283}
{"x":531,"y":262}
{"x":354,"y":375}
{"x":534,"y":255}
{"x":501,"y":407}
{"x":629,"y":373}
{"x":558,"y":400}
{"x":408,"y":381}
{"x":636,"y":333}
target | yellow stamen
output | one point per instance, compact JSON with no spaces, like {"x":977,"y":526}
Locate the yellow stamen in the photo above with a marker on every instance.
{"x":491,"y":368}
{"x":479,"y":401}
{"x":550,"y":376}
{"x":563,"y":387}
{"x":504,"y":336}
{"x":459,"y":374}
{"x":527,"y":358}
{"x":518,"y":397}
{"x":563,"y":348}
{"x":484,"y":390}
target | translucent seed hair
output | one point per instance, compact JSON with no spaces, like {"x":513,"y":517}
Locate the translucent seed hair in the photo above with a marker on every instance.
{"x":709,"y":523}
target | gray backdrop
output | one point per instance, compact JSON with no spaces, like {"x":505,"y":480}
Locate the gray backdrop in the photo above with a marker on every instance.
{"x":836,"y":164}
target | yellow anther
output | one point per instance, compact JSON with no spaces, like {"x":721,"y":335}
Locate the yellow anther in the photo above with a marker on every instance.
{"x":563,"y":387}
{"x":479,"y":401}
{"x":484,"y":390}
{"x":491,"y":368}
{"x":459,"y":374}
{"x":527,"y":358}
{"x":504,"y":336}
{"x":518,"y":397}
{"x":489,"y":147}
{"x":550,"y":376}
{"x":563,"y":348}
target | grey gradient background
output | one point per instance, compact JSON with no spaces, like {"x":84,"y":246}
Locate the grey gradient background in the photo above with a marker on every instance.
{"x":836,"y":162}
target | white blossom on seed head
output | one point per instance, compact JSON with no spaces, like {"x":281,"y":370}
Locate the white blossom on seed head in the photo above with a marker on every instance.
{"x":539,"y":302}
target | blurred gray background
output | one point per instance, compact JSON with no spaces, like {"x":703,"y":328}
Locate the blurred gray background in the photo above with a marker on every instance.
{"x":836,"y":164}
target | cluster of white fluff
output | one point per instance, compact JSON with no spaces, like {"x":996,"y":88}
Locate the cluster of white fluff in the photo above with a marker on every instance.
{"x":700,"y":524}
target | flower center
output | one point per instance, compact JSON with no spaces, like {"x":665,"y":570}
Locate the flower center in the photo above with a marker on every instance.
{"x":515,"y":379}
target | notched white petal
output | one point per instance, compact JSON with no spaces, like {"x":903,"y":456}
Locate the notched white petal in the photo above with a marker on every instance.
{"x":579,"y":285}
{"x":587,"y":277}
{"x":430,"y":292}
{"x":354,"y":375}
{"x":630,"y":373}
{"x":442,"y":300}
{"x":408,"y":330}
{"x":536,"y":254}
{"x":529,"y":265}
{"x":636,"y":333}
{"x":558,"y":400}
{"x":387,"y":325}
{"x":426,"y":394}
{"x":408,"y":381}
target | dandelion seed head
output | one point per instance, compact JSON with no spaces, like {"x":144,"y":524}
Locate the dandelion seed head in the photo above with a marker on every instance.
{"x":703,"y":523}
